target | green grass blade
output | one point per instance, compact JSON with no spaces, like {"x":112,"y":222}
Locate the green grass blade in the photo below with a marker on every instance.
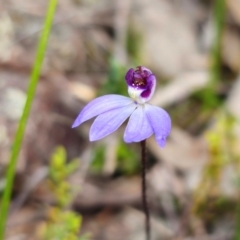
{"x":41,"y":49}
{"x":219,"y":22}
{"x":219,"y":16}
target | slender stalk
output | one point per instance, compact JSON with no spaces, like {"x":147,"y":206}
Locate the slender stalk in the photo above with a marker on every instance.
{"x":23,"y":121}
{"x":219,"y":15}
{"x":144,"y":189}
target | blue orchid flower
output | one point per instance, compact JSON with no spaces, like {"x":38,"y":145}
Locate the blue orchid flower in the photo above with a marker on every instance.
{"x":112,"y":110}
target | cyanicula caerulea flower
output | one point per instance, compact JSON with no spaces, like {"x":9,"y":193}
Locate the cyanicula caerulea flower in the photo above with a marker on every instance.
{"x":112,"y":110}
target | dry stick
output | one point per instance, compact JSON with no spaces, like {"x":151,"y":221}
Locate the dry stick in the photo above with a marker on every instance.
{"x":144,"y":188}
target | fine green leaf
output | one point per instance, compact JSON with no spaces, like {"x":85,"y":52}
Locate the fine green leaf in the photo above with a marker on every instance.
{"x":41,"y":49}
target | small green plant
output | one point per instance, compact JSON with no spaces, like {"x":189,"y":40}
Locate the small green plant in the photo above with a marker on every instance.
{"x":62,"y":223}
{"x":59,"y":170}
{"x":221,"y":140}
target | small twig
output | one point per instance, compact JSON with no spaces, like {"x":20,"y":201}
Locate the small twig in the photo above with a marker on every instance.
{"x":144,"y":194}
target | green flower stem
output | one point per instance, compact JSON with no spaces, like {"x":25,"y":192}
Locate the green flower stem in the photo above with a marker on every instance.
{"x":41,"y":49}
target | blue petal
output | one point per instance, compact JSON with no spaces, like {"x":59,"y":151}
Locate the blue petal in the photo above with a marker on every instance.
{"x":160,"y":122}
{"x":110,"y":121}
{"x":138,"y":127}
{"x":100,"y":105}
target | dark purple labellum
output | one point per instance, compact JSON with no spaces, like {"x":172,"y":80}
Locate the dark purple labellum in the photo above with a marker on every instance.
{"x":138,"y":78}
{"x":141,"y":83}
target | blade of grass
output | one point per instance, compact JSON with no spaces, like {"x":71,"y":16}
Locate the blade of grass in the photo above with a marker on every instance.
{"x":41,"y":49}
{"x":219,"y":15}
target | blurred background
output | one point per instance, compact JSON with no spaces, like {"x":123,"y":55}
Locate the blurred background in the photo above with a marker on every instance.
{"x":68,"y":188}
